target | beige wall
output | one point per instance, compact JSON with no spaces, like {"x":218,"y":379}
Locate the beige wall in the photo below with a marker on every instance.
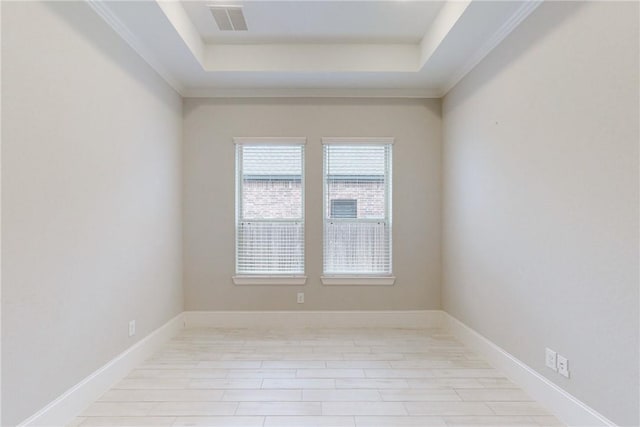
{"x":210,"y":125}
{"x":91,"y":188}
{"x":541,"y":199}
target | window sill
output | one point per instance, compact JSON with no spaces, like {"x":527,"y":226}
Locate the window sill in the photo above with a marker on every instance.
{"x":359,"y":280}
{"x":269,"y":280}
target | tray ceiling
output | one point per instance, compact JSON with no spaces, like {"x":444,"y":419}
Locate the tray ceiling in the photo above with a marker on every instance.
{"x":315,"y":48}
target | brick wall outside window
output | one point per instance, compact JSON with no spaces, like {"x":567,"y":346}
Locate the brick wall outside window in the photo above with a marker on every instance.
{"x":370,"y":196}
{"x":264,"y":199}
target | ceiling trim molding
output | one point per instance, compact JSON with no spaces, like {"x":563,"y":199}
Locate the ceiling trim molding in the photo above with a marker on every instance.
{"x":523,"y":11}
{"x":417,"y":93}
{"x":101,"y":8}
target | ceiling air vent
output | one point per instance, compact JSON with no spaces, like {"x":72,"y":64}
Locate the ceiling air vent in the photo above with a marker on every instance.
{"x":229,"y":18}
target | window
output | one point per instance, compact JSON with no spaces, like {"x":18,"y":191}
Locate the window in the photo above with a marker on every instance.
{"x":357,"y":210}
{"x":344,"y":208}
{"x":269,"y":210}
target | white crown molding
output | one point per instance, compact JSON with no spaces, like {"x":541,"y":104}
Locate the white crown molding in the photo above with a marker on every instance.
{"x":505,"y":29}
{"x":562,"y":404}
{"x":412,"y":319}
{"x":310,"y":93}
{"x":72,"y":402}
{"x":102,"y":9}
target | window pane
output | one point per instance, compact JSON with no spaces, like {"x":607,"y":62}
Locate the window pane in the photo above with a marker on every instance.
{"x":270,"y":224}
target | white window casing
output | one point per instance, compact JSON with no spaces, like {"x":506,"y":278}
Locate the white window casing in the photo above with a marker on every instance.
{"x":270,"y":224}
{"x":357,"y":250}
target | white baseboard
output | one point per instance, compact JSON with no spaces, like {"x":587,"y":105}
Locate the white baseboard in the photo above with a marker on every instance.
{"x":563,"y":405}
{"x":413,"y":319}
{"x":72,"y":402}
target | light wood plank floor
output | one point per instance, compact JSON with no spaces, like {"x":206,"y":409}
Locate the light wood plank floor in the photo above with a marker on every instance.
{"x":315,"y":377}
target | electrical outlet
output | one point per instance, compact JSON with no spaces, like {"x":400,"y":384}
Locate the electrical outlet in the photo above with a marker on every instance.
{"x":300,"y":297}
{"x":550,"y":359}
{"x":132,"y":328}
{"x":563,"y":366}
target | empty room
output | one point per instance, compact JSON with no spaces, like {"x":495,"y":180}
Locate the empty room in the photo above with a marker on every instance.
{"x":325,"y":213}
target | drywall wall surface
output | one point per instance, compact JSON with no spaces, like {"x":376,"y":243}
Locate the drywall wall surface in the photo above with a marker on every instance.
{"x":209,"y":194}
{"x":91,"y":183}
{"x":541,"y":199}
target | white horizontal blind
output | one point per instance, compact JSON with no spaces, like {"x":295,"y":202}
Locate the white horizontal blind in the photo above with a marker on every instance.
{"x":269,"y":209}
{"x":357,"y":176}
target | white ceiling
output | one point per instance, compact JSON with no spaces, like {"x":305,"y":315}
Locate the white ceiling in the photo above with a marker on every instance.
{"x":315,"y":48}
{"x":320,"y":21}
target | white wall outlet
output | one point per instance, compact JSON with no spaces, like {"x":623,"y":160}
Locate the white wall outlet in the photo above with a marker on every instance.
{"x":563,"y":366}
{"x":300,"y":297}
{"x":132,"y":328}
{"x":550,"y":359}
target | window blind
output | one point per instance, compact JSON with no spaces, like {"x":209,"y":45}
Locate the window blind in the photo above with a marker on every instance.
{"x":358,"y":243}
{"x":269,"y":209}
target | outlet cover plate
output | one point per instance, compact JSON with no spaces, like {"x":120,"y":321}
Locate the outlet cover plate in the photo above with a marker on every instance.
{"x":550,"y":359}
{"x":563,"y":366}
